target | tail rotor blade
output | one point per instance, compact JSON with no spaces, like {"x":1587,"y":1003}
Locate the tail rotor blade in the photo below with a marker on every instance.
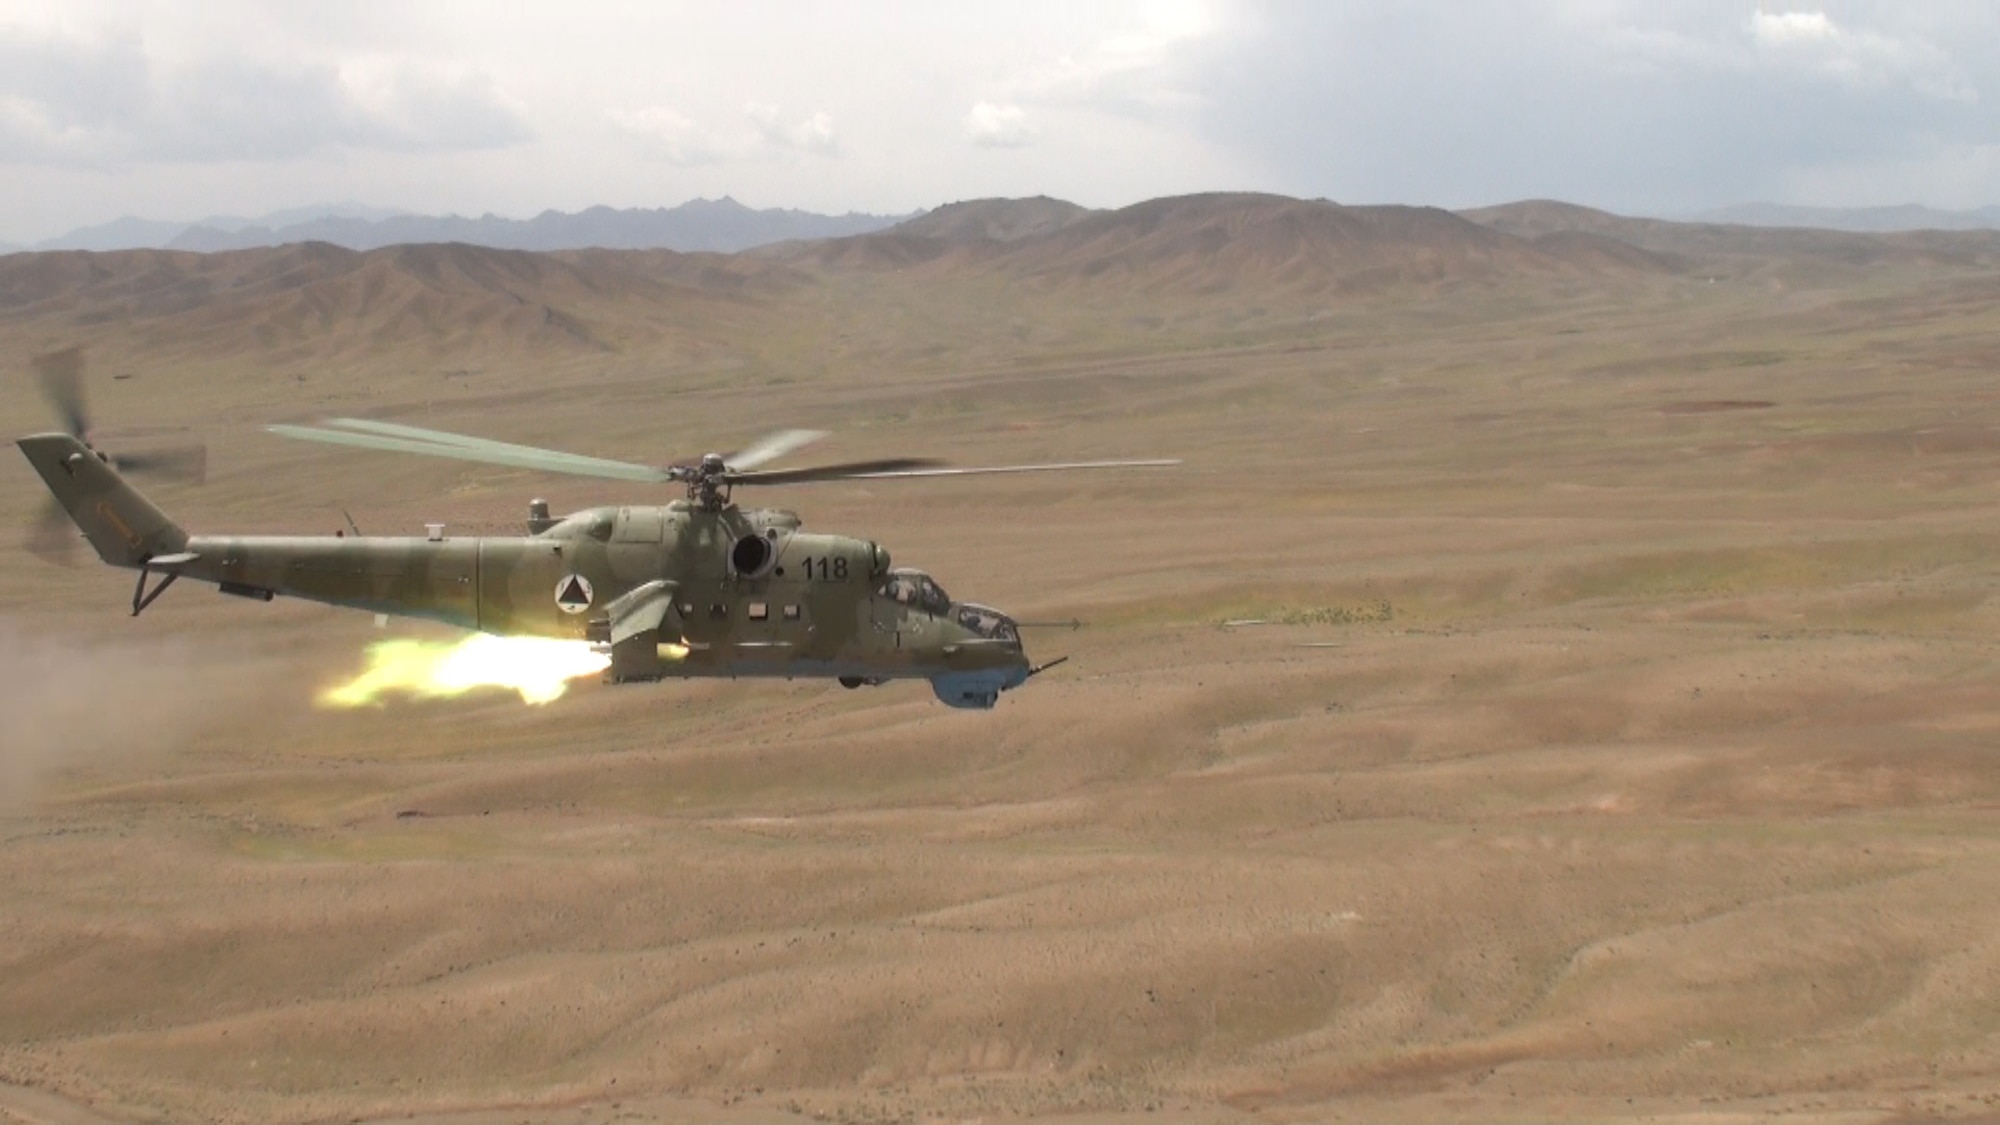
{"x":61,"y":375}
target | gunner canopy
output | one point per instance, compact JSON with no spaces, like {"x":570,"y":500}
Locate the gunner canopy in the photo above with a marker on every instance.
{"x":917,"y":590}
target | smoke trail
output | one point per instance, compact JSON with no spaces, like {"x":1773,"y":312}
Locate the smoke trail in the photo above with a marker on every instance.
{"x":66,"y":703}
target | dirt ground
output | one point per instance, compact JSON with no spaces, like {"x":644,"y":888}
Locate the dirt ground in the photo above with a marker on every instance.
{"x":1619,"y":743}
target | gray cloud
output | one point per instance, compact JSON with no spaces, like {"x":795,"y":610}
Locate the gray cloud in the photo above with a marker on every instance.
{"x":70,"y":102}
{"x":1636,"y":106}
{"x":1619,"y":104}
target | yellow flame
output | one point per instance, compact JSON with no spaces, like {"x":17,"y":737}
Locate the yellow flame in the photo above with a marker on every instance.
{"x":538,"y":668}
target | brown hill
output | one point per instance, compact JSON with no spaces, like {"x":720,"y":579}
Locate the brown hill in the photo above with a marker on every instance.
{"x":1245,"y":244}
{"x":1532,"y":218}
{"x":891,"y":250}
{"x":1035,"y":261}
{"x":1607,"y":252}
{"x":1731,"y":249}
{"x":1218,"y":243}
{"x":996,"y":220}
{"x":956,"y":232}
{"x":325,"y":301}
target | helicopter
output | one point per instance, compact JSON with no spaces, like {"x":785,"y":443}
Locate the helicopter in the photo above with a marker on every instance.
{"x":695,"y":587}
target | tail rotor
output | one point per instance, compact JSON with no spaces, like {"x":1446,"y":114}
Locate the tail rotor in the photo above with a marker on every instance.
{"x":53,"y":536}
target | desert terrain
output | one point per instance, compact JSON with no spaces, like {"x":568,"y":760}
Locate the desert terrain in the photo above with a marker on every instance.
{"x":1620,"y":741}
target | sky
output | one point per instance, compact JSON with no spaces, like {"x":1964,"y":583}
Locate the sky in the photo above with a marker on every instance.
{"x":180,"y":109}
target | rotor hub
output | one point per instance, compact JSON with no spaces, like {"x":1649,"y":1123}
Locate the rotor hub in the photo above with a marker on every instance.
{"x":708,"y":484}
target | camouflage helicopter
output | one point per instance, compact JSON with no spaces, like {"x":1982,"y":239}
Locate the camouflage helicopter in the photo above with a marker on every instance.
{"x":694,"y":587}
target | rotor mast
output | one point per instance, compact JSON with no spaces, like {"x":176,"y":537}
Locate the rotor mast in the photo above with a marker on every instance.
{"x":708,"y":483}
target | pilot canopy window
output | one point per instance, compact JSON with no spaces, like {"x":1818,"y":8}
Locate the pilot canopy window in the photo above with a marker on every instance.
{"x":915,"y":589}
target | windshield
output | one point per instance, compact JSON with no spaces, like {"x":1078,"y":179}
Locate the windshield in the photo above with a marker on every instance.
{"x":915,"y":589}
{"x":988,"y":622}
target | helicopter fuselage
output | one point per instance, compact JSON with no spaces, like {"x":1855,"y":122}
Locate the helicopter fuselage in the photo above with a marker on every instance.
{"x":676,"y":590}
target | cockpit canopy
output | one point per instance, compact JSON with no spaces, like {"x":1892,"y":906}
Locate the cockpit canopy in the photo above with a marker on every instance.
{"x":915,"y":589}
{"x":919,"y":591}
{"x":988,"y":622}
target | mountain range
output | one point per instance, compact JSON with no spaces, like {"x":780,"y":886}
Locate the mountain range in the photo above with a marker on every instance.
{"x":1168,"y":266}
{"x":720,"y":225}
{"x":726,"y":226}
{"x":1872,"y":220}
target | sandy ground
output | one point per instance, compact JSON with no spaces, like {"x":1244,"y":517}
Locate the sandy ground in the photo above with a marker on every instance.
{"x":1621,"y":745}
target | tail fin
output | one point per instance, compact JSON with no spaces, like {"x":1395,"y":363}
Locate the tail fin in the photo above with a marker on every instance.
{"x":124,"y":527}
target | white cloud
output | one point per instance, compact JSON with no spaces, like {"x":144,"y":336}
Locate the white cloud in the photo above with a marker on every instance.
{"x":1792,"y":27}
{"x":412,"y":106}
{"x":104,"y":101}
{"x":998,"y":126}
{"x":1137,"y":70}
{"x":814,"y":134}
{"x":674,"y":138}
{"x":1858,"y":58}
{"x":670,"y":135}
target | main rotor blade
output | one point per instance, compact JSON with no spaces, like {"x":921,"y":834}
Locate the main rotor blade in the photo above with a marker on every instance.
{"x":61,"y":373}
{"x":846,"y":471}
{"x":773,"y":447}
{"x":1059,"y":468}
{"x":490,"y":453}
{"x":464,"y":441}
{"x":909,"y":467}
{"x":185,"y":463}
